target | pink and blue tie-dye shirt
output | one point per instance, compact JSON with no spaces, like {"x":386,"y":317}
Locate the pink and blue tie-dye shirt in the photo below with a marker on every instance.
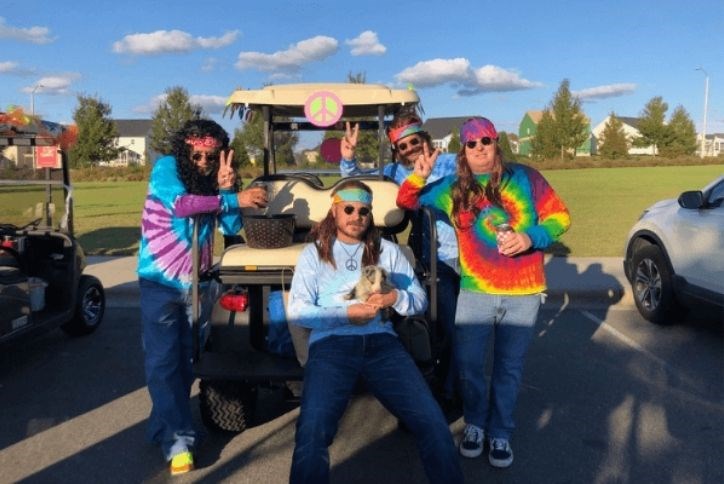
{"x":167,"y":226}
{"x":529,"y":204}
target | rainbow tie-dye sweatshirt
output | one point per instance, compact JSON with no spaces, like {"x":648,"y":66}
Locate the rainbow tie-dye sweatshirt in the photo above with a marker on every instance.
{"x":529,"y":205}
{"x":164,"y":255}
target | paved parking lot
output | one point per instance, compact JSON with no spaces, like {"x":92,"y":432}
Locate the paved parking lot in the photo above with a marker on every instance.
{"x":607,"y":398}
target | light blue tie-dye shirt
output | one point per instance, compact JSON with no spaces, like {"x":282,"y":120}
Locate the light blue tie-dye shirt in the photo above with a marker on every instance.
{"x":316,"y":297}
{"x":446,"y":164}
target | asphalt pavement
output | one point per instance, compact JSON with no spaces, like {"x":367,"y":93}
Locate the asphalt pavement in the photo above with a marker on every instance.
{"x":578,"y":281}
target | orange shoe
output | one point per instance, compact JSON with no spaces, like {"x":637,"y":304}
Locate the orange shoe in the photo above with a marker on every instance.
{"x":182,"y":463}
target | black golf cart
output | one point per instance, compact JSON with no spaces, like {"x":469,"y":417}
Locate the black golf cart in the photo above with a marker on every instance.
{"x":239,"y":356}
{"x":42,"y":284}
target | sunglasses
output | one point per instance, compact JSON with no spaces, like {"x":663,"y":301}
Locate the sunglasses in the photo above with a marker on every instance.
{"x":485,"y":140}
{"x":362,"y":211}
{"x":209,"y":157}
{"x":402,"y":146}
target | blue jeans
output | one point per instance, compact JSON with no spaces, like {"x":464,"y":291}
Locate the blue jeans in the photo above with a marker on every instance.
{"x":168,"y":348}
{"x":510,"y":321}
{"x":335,"y":363}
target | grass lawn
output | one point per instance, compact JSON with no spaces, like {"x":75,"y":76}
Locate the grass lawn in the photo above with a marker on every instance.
{"x":604,"y":203}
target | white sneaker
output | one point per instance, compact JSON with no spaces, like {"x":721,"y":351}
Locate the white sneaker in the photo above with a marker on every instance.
{"x":500,"y":455}
{"x":471,"y":445}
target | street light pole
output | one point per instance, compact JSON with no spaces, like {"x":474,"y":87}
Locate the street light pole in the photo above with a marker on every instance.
{"x":32,"y":98}
{"x":706,"y":107}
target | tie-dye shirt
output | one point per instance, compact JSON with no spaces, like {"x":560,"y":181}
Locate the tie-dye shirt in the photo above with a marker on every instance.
{"x":529,"y":204}
{"x":167,"y":226}
{"x":445,"y":165}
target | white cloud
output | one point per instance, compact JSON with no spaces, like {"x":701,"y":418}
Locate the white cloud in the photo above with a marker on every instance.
{"x":292,"y":59}
{"x":13,"y":68}
{"x":8,"y":67}
{"x":35,"y":35}
{"x":602,"y":92}
{"x":169,"y":41}
{"x":211,"y":104}
{"x":366,"y":43}
{"x":436,"y":72}
{"x":462,"y":76}
{"x":58,"y":84}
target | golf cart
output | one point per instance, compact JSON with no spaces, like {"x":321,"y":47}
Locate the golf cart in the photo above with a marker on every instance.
{"x":42,"y":284}
{"x":243,"y":351}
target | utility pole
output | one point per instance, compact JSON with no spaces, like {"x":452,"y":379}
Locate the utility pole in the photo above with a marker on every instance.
{"x":706,"y":108}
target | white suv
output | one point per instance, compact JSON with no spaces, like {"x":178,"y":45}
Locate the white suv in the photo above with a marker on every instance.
{"x":675,"y":253}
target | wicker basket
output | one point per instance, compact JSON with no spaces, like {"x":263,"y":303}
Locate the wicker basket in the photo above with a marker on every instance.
{"x":269,"y":231}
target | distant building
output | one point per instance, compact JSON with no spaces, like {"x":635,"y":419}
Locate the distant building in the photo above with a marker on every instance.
{"x":442,"y":129}
{"x":311,"y":156}
{"x":713,"y":146}
{"x":22,"y":156}
{"x":134,"y":140}
{"x":630,"y":128}
{"x":529,"y":126}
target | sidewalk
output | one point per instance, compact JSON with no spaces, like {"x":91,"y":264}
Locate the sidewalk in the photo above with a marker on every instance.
{"x":575,"y":280}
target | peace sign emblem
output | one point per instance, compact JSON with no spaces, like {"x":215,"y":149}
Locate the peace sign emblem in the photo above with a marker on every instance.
{"x":323,"y":108}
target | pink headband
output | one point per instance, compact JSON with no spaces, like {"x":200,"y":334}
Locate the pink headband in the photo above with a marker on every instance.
{"x":205,"y":142}
{"x":398,"y":133}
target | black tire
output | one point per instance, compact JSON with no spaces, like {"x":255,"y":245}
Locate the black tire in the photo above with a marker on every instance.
{"x":90,"y":305}
{"x":652,"y":285}
{"x":227,"y":406}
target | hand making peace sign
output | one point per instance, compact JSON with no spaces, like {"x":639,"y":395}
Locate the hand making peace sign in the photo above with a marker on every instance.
{"x":226,"y":176}
{"x":426,"y":161}
{"x":349,"y":142}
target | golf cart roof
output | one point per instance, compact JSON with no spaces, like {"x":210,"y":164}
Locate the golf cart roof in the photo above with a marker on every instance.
{"x":359,"y":100}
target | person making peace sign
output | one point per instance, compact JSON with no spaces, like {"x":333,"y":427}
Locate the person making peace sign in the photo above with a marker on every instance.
{"x":196,"y":182}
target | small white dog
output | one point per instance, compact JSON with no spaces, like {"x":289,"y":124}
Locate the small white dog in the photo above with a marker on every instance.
{"x":374,"y":279}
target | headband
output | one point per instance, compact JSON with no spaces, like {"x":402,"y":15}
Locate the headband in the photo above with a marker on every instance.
{"x":476,"y":128}
{"x":397,"y":134}
{"x":352,"y":195}
{"x":203,"y":142}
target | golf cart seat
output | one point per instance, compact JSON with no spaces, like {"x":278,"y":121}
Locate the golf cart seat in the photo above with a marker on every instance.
{"x":309,"y":204}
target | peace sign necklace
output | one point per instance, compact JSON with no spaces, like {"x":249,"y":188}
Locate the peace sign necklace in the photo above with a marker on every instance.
{"x":351,"y":264}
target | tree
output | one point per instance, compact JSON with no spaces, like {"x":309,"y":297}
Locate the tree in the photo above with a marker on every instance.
{"x":571,"y":125}
{"x":681,"y":139}
{"x":454,"y":145}
{"x":171,"y":114}
{"x":651,"y":125}
{"x":545,"y":142}
{"x":241,"y":155}
{"x":614,"y":142}
{"x":504,"y":143}
{"x":96,"y":133}
{"x":250,"y":139}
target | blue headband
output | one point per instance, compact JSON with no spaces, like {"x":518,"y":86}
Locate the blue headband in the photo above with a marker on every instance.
{"x":352,"y":195}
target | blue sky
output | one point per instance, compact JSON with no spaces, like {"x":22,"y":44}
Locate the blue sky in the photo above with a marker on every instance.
{"x":497,"y":59}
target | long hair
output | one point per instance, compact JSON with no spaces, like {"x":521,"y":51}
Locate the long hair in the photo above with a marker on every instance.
{"x":467,"y":193}
{"x":194,"y":181}
{"x":403,"y":118}
{"x":325,"y":233}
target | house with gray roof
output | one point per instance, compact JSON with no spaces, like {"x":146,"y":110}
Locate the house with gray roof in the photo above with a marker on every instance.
{"x":630,"y":128}
{"x":442,"y":129}
{"x":134,"y":137}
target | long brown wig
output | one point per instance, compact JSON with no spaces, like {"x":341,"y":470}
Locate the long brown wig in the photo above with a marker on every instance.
{"x":467,"y":193}
{"x":325,"y":233}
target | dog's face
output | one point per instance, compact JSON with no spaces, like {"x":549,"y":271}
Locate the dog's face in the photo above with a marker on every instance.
{"x":376,"y":277}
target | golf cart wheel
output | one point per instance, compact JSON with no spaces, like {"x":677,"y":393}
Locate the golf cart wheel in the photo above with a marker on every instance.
{"x":226,"y":405}
{"x":652,"y":285}
{"x":89,"y":307}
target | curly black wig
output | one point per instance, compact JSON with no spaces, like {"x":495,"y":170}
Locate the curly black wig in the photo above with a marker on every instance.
{"x":194,"y":181}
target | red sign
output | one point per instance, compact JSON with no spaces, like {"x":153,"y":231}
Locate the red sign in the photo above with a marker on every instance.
{"x":47,"y":157}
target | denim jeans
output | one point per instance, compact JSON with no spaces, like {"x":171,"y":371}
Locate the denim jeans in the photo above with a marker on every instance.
{"x":510,"y":321}
{"x":335,"y":363}
{"x":168,"y":348}
{"x":448,"y":289}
